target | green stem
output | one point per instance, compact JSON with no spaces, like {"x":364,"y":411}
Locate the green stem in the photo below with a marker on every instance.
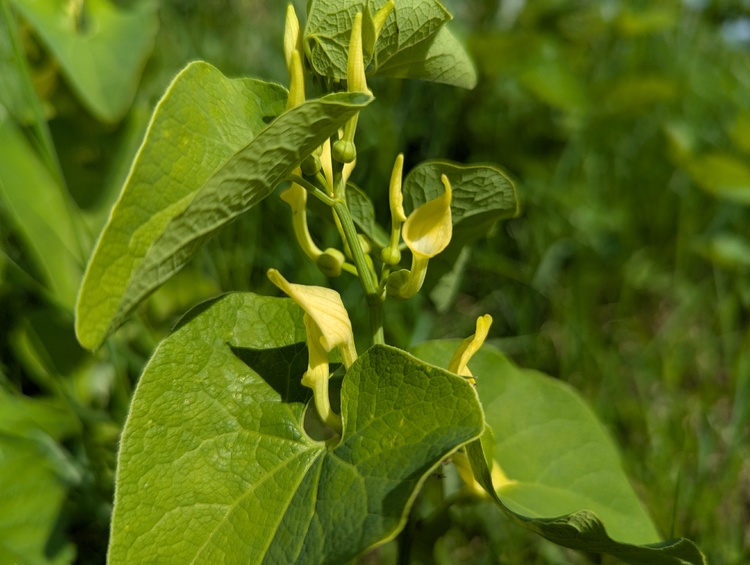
{"x":311,"y":188}
{"x":367,"y":277}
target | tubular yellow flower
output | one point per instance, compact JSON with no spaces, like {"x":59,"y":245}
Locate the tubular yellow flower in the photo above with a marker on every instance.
{"x":317,"y":375}
{"x":296,"y":197}
{"x":391,"y":254}
{"x":291,"y":35}
{"x":329,"y":261}
{"x":382,"y":15}
{"x":429,"y":228}
{"x":296,"y":82}
{"x":468,"y":347}
{"x":426,"y":232}
{"x":326,"y":310}
{"x":355,"y":71}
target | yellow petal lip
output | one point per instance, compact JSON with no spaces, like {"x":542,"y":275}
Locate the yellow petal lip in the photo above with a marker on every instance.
{"x":428,"y":229}
{"x":469,"y":346}
{"x":323,"y":305}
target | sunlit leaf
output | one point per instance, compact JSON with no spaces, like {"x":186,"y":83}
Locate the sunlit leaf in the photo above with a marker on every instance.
{"x":216,"y":466}
{"x":561,"y":474}
{"x":215,"y":148}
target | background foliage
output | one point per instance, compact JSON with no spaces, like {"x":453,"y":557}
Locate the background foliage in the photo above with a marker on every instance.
{"x":627,"y":125}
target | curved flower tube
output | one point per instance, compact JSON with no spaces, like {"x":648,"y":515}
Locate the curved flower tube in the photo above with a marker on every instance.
{"x":327,"y":311}
{"x":327,"y":325}
{"x":426,"y":232}
{"x":391,"y":254}
{"x":468,"y":347}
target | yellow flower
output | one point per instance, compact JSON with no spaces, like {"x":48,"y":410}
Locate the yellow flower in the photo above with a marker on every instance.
{"x":291,"y":35}
{"x":426,"y":232}
{"x":327,"y":311}
{"x":468,"y":347}
{"x":391,"y":254}
{"x":355,"y":70}
{"x":429,"y":228}
{"x":327,"y":325}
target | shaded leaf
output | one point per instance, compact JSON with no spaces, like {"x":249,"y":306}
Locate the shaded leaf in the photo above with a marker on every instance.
{"x":561,"y":474}
{"x":37,"y":206}
{"x":363,"y":215}
{"x":101,"y":50}
{"x":727,"y":250}
{"x":208,"y":156}
{"x":482,"y":194}
{"x":35,"y":475}
{"x":722,"y":175}
{"x":441,"y":59}
{"x":215,"y":465}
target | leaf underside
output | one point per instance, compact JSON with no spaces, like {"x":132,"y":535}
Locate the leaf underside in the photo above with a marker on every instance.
{"x":215,"y":148}
{"x":414,"y":42}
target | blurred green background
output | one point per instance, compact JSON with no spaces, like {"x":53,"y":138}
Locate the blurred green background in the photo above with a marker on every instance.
{"x":627,"y":127}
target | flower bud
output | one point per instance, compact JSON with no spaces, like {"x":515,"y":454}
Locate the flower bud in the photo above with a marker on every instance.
{"x":355,"y":72}
{"x":330,"y":262}
{"x":390,"y":255}
{"x":311,"y":165}
{"x":291,"y":35}
{"x":344,"y":151}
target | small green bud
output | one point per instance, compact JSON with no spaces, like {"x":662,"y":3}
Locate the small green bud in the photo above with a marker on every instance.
{"x":311,"y":165}
{"x":344,"y":151}
{"x":391,"y":255}
{"x":330,"y":262}
{"x":398,"y":283}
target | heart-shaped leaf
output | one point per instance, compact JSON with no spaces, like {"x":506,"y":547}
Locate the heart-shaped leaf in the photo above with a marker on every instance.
{"x":101,"y":48}
{"x":215,"y":148}
{"x":560,"y":472}
{"x":215,"y":465}
{"x":482,"y":195}
{"x":441,"y":58}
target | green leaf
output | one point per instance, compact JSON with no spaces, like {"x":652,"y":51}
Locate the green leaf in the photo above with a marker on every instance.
{"x":33,"y":493}
{"x":101,"y":49}
{"x":412,"y":43}
{"x":727,"y":250}
{"x":555,"y":84}
{"x":482,"y":194}
{"x":441,"y":59}
{"x":722,"y":175}
{"x":35,"y":475}
{"x":363,"y":214}
{"x":208,"y":156}
{"x":37,"y":206}
{"x":215,"y":464}
{"x":412,"y":23}
{"x":23,"y":415}
{"x":11,"y":87}
{"x":562,"y":474}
